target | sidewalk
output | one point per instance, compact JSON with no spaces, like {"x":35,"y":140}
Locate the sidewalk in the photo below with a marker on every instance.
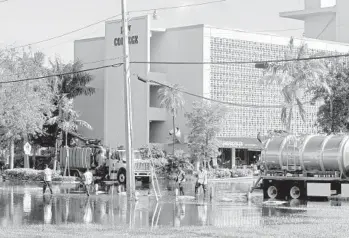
{"x":233,"y":179}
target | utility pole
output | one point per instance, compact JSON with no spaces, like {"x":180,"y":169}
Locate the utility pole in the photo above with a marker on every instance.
{"x":130,"y":175}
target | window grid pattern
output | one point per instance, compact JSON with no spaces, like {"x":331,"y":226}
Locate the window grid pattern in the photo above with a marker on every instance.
{"x":240,"y":83}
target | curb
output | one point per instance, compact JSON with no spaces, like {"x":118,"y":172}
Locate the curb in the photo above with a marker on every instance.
{"x":232,"y":179}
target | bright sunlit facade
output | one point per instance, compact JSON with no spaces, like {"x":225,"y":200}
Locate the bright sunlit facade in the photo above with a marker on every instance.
{"x":235,"y":83}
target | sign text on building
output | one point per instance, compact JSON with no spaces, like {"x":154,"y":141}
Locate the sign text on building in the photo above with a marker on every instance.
{"x":132,"y":39}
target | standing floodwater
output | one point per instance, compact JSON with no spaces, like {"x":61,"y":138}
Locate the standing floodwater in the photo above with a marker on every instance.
{"x":24,"y":204}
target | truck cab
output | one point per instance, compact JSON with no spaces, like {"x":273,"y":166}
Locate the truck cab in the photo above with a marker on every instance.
{"x":117,"y":167}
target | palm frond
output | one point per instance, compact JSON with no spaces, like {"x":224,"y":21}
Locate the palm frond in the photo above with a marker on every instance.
{"x":289,"y":120}
{"x":52,"y":120}
{"x":283,"y":115}
{"x":84,"y":124}
{"x":300,"y":108}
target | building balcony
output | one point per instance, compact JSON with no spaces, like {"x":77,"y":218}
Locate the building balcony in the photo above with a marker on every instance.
{"x":157,"y":114}
{"x":303,"y":14}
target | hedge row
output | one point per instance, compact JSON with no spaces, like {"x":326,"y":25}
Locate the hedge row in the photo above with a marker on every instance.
{"x":33,"y":175}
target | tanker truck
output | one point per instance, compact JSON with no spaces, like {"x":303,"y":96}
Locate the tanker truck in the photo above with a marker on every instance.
{"x":301,"y":167}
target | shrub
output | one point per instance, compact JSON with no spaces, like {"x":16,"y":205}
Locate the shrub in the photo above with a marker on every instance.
{"x":28,"y":174}
{"x":180,"y":159}
{"x":156,"y":152}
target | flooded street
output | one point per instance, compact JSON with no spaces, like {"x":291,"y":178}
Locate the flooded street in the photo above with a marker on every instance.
{"x":24,"y":204}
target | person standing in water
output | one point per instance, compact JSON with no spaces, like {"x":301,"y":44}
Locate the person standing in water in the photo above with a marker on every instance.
{"x":47,"y":179}
{"x":180,"y":180}
{"x":88,"y":179}
{"x":201,"y":181}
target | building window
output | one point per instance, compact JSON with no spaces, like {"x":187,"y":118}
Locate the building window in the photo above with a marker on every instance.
{"x":328,"y":3}
{"x":241,"y":84}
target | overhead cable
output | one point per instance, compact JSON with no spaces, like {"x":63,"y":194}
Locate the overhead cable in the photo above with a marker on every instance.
{"x":62,"y":74}
{"x":241,"y":62}
{"x":211,"y":99}
{"x":112,"y":17}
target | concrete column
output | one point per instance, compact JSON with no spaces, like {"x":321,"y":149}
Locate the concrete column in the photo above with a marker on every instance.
{"x":312,"y":4}
{"x":246,"y":157}
{"x":233,"y":158}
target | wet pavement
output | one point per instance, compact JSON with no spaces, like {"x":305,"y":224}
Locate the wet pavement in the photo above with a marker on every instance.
{"x":24,"y":204}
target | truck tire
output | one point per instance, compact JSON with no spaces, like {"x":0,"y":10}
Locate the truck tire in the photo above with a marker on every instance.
{"x":272,"y":192}
{"x":75,"y":173}
{"x":295,"y":192}
{"x":122,"y":177}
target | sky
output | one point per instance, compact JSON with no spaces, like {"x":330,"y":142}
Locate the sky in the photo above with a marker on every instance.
{"x":26,"y":21}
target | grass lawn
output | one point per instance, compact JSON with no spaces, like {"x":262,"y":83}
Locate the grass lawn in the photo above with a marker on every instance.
{"x":327,"y":229}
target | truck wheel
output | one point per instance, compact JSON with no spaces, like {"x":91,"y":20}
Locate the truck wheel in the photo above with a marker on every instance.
{"x":272,"y":192}
{"x":76,"y":174}
{"x":122,"y":177}
{"x":295,"y":192}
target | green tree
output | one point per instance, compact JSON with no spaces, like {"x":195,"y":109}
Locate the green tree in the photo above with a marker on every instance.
{"x":296,"y":77}
{"x":67,"y":121}
{"x":172,"y":99}
{"x":205,"y":122}
{"x":70,"y":84}
{"x":26,"y":105}
{"x":333,"y":115}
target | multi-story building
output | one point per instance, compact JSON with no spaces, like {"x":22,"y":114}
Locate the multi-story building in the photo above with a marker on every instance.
{"x":228,"y":82}
{"x":323,"y":19}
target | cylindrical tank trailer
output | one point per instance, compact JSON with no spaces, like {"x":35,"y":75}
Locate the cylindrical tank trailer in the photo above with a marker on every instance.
{"x":311,"y":153}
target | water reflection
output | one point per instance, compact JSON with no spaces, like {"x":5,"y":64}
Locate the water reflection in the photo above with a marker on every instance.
{"x":20,"y":205}
{"x":47,"y":210}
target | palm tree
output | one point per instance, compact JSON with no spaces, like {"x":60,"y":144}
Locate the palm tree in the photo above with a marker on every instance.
{"x":66,"y":86}
{"x":172,"y":99}
{"x":67,"y":120}
{"x":296,"y":77}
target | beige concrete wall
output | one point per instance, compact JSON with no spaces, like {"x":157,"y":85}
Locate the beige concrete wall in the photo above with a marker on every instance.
{"x":180,"y":45}
{"x":114,"y":132}
{"x":342,"y":21}
{"x":91,"y":108}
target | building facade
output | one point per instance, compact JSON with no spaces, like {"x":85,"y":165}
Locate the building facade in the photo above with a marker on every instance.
{"x":323,"y":19}
{"x":229,"y":82}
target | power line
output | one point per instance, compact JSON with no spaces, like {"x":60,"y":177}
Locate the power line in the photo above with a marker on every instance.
{"x":109,"y":18}
{"x":328,"y":23}
{"x":183,"y":6}
{"x":211,"y":99}
{"x":153,"y":81}
{"x":62,"y":74}
{"x":239,"y":62}
{"x":188,"y":63}
{"x":84,"y":63}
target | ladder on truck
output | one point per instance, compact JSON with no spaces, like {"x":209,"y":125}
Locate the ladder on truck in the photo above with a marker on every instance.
{"x":291,"y":157}
{"x":154,"y":178}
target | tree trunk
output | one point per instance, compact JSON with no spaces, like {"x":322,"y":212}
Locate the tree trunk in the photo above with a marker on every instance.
{"x":174,"y":134}
{"x":34,"y":156}
{"x":56,"y":154}
{"x":66,"y":169}
{"x":60,"y":135}
{"x":12,"y":153}
{"x":26,"y":157}
{"x":331,"y":110}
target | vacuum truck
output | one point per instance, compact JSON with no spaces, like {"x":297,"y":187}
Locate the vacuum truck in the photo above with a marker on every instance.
{"x":111,"y":168}
{"x":304,"y":166}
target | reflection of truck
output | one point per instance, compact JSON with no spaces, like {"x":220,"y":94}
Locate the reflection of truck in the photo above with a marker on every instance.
{"x":305,"y":166}
{"x":112,"y":168}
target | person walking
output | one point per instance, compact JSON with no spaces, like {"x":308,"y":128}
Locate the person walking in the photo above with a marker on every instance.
{"x":88,"y":179}
{"x":180,"y":180}
{"x":201,"y":181}
{"x":47,"y":179}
